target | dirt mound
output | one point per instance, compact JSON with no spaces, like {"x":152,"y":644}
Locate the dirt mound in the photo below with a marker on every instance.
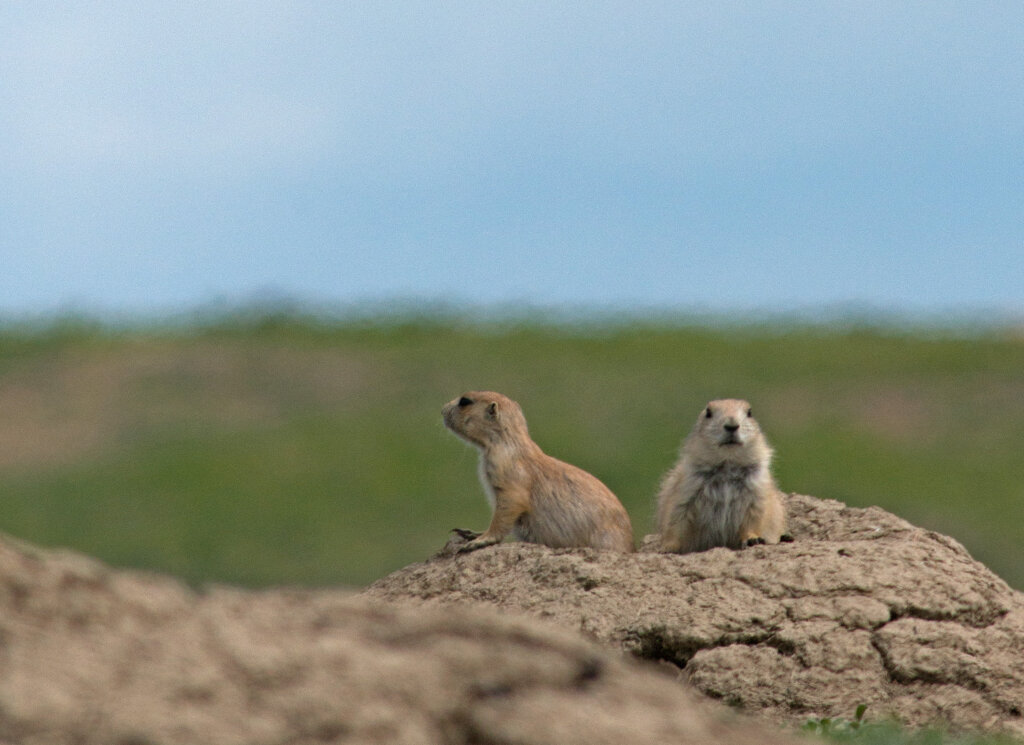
{"x":864,"y":608}
{"x":93,"y":655}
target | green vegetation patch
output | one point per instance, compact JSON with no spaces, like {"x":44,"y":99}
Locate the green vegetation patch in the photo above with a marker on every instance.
{"x":282,"y":448}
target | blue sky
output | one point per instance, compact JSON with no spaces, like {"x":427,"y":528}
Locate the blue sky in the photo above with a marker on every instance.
{"x":728,"y":156}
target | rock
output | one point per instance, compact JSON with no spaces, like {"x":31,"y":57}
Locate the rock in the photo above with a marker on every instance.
{"x":93,"y":655}
{"x":863,"y":608}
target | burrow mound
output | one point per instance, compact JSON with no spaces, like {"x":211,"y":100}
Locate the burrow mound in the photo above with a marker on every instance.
{"x":863,"y":608}
{"x":93,"y":655}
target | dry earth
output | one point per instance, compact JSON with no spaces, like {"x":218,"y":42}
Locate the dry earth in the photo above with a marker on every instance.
{"x":864,"y":608}
{"x":94,"y":655}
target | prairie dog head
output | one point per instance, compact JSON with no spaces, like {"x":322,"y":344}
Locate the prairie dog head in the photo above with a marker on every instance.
{"x":485,"y":418}
{"x":726,"y":432}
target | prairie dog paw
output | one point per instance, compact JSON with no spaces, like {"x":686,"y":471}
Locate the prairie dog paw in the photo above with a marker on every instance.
{"x":457,"y":538}
{"x":477,"y":543}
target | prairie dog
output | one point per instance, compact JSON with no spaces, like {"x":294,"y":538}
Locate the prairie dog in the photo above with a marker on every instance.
{"x":536,"y":498}
{"x":721,"y":491}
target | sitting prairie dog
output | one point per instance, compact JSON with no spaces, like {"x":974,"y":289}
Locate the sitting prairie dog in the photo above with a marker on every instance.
{"x":721,"y":491}
{"x":536,"y":498}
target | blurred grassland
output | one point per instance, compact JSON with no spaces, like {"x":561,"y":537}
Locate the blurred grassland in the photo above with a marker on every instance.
{"x":280,"y":448}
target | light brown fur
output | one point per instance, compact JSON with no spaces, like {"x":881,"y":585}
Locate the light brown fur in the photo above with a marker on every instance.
{"x":721,"y":491}
{"x":536,"y":498}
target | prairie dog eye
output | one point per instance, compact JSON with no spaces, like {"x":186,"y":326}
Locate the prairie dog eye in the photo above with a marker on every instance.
{"x":708,"y":413}
{"x":750,"y":413}
{"x":464,"y":402}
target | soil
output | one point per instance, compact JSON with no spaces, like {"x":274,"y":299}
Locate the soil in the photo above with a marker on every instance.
{"x":863,"y":608}
{"x":89,"y":655}
{"x":486,"y":647}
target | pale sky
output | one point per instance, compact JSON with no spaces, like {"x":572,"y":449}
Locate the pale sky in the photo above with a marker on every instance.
{"x":699,"y":156}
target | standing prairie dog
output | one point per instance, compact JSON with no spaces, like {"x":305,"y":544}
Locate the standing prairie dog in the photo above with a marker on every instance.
{"x":721,"y":491}
{"x":536,"y":498}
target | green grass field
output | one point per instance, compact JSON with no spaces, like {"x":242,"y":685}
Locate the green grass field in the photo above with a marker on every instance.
{"x":279,"y":448}
{"x":858,"y":730}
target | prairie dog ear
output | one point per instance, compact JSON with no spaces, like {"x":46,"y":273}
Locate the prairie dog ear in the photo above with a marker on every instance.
{"x":492,"y":410}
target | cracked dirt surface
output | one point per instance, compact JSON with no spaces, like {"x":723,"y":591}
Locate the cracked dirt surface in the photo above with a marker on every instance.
{"x":89,"y":654}
{"x":863,"y":608}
